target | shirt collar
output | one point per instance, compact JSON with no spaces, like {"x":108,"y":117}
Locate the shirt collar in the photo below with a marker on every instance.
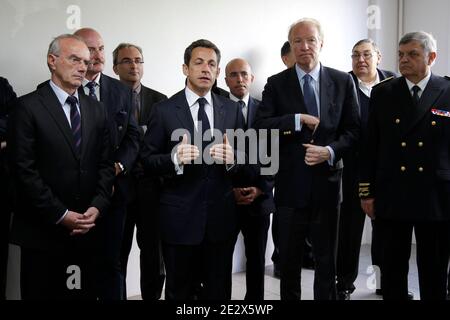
{"x":365,"y":84}
{"x":61,"y":94}
{"x":138,"y":89}
{"x":315,"y":72}
{"x":421,"y":84}
{"x":192,"y":97}
{"x":96,"y":80}
{"x":246,"y":98}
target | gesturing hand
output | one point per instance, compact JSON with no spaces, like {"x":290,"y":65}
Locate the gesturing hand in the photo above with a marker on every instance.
{"x":222,"y":153}
{"x":186,"y":153}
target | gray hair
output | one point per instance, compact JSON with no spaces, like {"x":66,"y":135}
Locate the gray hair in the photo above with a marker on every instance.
{"x":369,"y":41}
{"x":123,"y":46}
{"x":55,"y":46}
{"x":312,"y":21}
{"x":426,"y":40}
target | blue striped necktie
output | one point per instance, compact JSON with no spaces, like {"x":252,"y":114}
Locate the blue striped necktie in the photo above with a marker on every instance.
{"x":309,"y":96}
{"x":91,"y":86}
{"x":75,"y":121}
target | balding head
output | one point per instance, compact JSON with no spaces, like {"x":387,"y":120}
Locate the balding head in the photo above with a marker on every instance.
{"x":239,"y":77}
{"x":96,"y":46}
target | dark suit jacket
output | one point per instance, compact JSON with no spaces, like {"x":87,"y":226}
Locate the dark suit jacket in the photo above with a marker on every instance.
{"x":264,"y":203}
{"x":406,"y":165}
{"x":50,"y":176}
{"x":296,"y":184}
{"x":200,"y":202}
{"x":7,"y":100}
{"x":118,"y":102}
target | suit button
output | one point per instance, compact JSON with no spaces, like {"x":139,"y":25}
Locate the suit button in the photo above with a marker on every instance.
{"x":433,"y":123}
{"x":403,"y":144}
{"x":420,"y":144}
{"x":397,"y":121}
{"x":420,"y":169}
{"x":403,"y":168}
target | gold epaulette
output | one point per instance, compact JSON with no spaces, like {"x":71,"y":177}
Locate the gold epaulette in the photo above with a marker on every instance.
{"x":383,"y":81}
{"x":364,"y":190}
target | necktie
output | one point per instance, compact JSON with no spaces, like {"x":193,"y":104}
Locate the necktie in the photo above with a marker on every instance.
{"x":415,"y":96}
{"x":91,"y":86}
{"x":137,"y":105}
{"x":309,"y":96}
{"x":242,"y":106}
{"x":201,"y":116}
{"x":75,"y":121}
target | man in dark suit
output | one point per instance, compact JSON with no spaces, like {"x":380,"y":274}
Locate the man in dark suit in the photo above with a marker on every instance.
{"x":315,"y":108}
{"x":128,"y":64}
{"x":254,"y":197}
{"x":365,"y":59}
{"x":60,"y":156}
{"x":405,"y":170}
{"x":7,"y":100}
{"x":125,"y":136}
{"x":196,"y":209}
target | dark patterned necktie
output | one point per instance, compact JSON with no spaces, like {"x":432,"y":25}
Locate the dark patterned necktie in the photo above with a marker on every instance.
{"x":75,"y":121}
{"x":415,"y":96}
{"x":201,"y":116}
{"x":91,"y":86}
{"x":309,"y":96}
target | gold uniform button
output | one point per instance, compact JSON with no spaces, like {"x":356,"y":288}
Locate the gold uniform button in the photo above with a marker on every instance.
{"x":420,"y":169}
{"x":403,"y":144}
{"x":433,"y":123}
{"x":397,"y":121}
{"x":403,"y":168}
{"x":420,"y":144}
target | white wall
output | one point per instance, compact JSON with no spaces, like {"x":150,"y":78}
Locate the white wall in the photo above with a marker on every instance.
{"x":252,"y":29}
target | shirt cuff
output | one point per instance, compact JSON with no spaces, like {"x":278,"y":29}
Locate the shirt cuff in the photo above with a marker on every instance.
{"x":178,"y":168}
{"x":298,"y":124}
{"x":61,"y":219}
{"x":331,"y":160}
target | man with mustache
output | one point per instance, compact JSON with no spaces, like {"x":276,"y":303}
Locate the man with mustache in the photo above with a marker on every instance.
{"x":316,"y":110}
{"x":125,"y":136}
{"x":197,"y":207}
{"x":405,"y":170}
{"x":61,"y":164}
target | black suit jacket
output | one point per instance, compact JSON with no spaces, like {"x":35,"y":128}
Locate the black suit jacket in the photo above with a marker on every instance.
{"x":296,"y":184}
{"x":50,"y":176}
{"x":406,"y":165}
{"x":264,"y":204}
{"x":118,"y":102}
{"x":7,"y":100}
{"x":200,"y":202}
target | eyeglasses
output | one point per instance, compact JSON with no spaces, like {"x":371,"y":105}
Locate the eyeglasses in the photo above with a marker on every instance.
{"x":365,"y":55}
{"x":129,"y":62}
{"x":74,"y":60}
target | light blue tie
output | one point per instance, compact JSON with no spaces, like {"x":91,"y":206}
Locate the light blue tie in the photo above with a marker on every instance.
{"x":309,"y":96}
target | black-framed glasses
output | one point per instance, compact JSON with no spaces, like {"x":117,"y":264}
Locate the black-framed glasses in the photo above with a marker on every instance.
{"x":129,"y":62}
{"x":365,"y":55}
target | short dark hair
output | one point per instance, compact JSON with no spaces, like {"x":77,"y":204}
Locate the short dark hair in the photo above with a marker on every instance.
{"x":203,"y":44}
{"x":369,"y":41}
{"x":285,"y":49}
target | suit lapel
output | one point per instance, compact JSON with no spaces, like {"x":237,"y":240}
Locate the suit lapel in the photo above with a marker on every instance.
{"x":51,"y":103}
{"x":326,"y":94}
{"x":219,"y":113}
{"x":104,"y":90}
{"x":183,"y":113}
{"x":251,"y":112}
{"x":295,"y":92}
{"x":145,"y":105}
{"x":429,"y":96}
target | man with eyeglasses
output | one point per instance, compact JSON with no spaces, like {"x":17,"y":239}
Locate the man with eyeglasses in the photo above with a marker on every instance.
{"x":128,"y":64}
{"x":365,"y":60}
{"x":254,"y":197}
{"x":125,"y":136}
{"x":316,"y":110}
{"x":61,"y":165}
{"x":405,"y":170}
